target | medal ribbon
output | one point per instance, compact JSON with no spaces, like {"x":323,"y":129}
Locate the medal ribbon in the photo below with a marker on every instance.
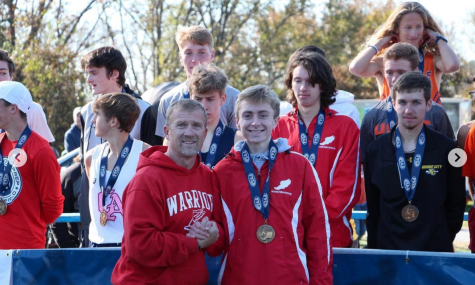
{"x":5,"y":171}
{"x":261,"y":203}
{"x":409,"y":184}
{"x":421,"y":60}
{"x":107,"y":188}
{"x":213,"y":149}
{"x":311,"y":151}
{"x":392,"y":119}
{"x":186,"y":93}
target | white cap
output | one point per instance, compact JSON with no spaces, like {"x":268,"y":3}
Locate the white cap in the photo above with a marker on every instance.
{"x":16,"y":93}
{"x":76,"y":111}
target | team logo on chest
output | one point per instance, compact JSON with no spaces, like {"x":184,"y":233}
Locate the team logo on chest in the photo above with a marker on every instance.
{"x":218,"y":131}
{"x":16,"y":183}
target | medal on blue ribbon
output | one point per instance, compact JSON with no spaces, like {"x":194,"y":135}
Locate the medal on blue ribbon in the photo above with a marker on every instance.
{"x":213,"y":148}
{"x":5,"y":184}
{"x":107,"y":188}
{"x":392,"y":118}
{"x":265,"y":233}
{"x":409,"y":183}
{"x":310,"y":147}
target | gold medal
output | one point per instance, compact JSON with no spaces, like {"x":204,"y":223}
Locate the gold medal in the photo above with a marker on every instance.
{"x":3,"y":207}
{"x":410,"y":213}
{"x":103,"y":218}
{"x":265,"y":233}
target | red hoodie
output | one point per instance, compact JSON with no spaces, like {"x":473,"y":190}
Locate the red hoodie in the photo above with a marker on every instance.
{"x":160,"y":203}
{"x":35,"y":199}
{"x":337,"y":165}
{"x":300,"y":252}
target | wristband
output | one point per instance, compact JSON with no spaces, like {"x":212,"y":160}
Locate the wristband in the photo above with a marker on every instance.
{"x":440,"y":37}
{"x":375,"y":48}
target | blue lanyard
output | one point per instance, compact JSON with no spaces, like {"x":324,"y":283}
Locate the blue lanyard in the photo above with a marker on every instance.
{"x":261,"y":203}
{"x":5,"y":170}
{"x":409,"y":184}
{"x":392,"y":118}
{"x":311,"y":151}
{"x":107,"y":188}
{"x":421,"y":60}
{"x":213,"y":149}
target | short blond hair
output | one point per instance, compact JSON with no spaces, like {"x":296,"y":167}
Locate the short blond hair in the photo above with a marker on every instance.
{"x":258,"y":94}
{"x":207,"y":78}
{"x":197,"y":34}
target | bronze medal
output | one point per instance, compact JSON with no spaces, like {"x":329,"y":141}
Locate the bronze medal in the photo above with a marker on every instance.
{"x":265,"y":233}
{"x":103,"y":218}
{"x":3,"y":207}
{"x":410,"y":213}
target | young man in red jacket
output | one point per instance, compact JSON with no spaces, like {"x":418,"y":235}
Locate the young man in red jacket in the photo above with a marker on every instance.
{"x":170,"y":191}
{"x":270,"y":205}
{"x":329,"y":140}
{"x":30,"y":186}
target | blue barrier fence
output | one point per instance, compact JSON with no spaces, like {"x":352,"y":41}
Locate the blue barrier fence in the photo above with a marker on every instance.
{"x":350,"y":266}
{"x":74,"y":217}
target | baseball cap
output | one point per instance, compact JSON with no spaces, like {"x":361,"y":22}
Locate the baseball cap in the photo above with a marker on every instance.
{"x":16,"y":93}
{"x":77,"y":110}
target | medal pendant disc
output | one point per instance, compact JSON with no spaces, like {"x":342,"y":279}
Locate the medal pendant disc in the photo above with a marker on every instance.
{"x":103,"y":218}
{"x":3,"y":207}
{"x":410,"y":213}
{"x":265,"y":233}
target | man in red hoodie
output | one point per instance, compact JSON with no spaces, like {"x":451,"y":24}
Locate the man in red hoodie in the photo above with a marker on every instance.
{"x":30,"y":187}
{"x":329,"y":140}
{"x":171,"y":191}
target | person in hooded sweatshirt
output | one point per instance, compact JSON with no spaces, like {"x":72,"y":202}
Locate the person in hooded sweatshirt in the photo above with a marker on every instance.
{"x":171,"y":191}
{"x":277,"y":230}
{"x":328,"y":139}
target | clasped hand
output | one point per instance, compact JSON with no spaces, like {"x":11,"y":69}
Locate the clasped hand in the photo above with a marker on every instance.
{"x":206,"y":232}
